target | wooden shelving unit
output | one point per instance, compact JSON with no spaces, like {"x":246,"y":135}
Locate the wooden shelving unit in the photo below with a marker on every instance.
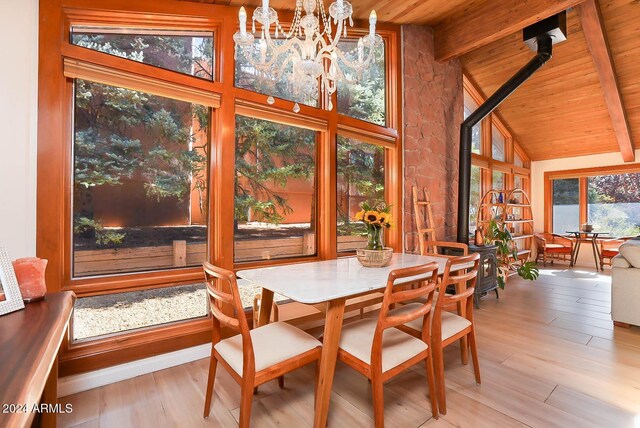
{"x":512,"y":208}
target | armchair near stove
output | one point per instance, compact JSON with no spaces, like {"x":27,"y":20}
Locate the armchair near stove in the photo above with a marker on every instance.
{"x":552,"y":246}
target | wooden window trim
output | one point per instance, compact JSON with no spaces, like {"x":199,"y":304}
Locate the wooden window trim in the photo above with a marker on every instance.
{"x":277,"y":115}
{"x":76,"y":69}
{"x":54,"y":132}
{"x":582,"y":174}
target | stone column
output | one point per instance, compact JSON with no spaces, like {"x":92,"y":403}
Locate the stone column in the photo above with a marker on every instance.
{"x":433,"y":112}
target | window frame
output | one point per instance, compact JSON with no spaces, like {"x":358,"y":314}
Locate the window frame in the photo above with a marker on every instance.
{"x":55,"y":156}
{"x":582,"y":174}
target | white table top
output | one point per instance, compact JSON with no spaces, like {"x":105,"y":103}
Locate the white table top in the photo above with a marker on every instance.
{"x":318,"y":282}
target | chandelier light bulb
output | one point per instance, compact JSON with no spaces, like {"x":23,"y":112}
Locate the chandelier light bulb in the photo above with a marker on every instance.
{"x":242,"y":16}
{"x":373,"y":18}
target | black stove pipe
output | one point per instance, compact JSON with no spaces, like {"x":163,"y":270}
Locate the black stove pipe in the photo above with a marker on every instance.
{"x":464,"y":180}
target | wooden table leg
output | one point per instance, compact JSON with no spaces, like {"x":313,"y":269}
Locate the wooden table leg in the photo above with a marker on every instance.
{"x":266,"y":301}
{"x":332,"y":330}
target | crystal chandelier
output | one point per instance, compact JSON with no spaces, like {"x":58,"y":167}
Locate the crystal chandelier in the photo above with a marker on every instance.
{"x":308,"y":56}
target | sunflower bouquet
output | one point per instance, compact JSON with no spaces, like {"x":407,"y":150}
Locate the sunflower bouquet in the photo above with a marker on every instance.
{"x":376,"y":218}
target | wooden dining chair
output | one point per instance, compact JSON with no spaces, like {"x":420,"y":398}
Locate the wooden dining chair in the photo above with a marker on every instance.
{"x":252,"y":357}
{"x":447,"y":327}
{"x":435,"y":248}
{"x":376,"y":349}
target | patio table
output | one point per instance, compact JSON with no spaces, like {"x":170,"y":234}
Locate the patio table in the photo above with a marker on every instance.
{"x":591,"y":237}
{"x":326,"y":285}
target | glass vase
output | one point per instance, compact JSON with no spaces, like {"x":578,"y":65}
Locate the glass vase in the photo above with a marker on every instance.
{"x":375,"y":238}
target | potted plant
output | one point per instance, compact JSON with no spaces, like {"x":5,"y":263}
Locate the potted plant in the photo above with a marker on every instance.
{"x":376,"y":218}
{"x":507,"y":255}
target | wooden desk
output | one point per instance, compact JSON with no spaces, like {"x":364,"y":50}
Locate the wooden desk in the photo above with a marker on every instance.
{"x":29,"y":344}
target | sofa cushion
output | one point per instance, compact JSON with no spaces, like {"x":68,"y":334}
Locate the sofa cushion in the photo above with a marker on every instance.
{"x":620,"y":262}
{"x":630,"y":250}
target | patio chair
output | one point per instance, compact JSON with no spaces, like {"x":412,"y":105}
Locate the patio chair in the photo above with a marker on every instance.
{"x":552,"y":246}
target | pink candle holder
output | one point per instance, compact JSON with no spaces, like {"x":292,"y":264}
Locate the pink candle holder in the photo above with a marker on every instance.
{"x":30,"y":275}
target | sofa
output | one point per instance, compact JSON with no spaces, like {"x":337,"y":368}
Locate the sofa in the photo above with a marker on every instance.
{"x":625,"y":285}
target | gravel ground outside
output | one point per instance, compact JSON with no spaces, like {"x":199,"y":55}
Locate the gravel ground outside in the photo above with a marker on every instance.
{"x":113,"y":313}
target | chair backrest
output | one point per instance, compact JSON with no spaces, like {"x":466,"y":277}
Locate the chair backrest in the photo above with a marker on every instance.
{"x":404,"y":285}
{"x":438,"y":247}
{"x":222,"y":287}
{"x":462,"y":273}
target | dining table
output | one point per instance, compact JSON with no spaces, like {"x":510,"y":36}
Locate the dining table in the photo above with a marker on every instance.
{"x":327,"y":285}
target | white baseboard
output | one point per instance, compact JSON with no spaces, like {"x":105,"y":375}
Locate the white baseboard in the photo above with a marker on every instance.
{"x":85,"y":381}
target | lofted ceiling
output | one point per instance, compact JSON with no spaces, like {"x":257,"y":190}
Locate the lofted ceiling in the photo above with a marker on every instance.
{"x":561,"y":111}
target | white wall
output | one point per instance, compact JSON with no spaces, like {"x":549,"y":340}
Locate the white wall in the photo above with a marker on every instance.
{"x":18,"y":115}
{"x":538,"y":170}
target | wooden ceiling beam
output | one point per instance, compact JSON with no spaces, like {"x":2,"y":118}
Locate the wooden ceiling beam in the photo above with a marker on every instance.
{"x":482,"y":22}
{"x":596,"y":37}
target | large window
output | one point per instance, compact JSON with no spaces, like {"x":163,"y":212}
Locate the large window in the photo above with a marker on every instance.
{"x":360,"y":178}
{"x":163,"y":149}
{"x":275,"y":191}
{"x":611,"y":202}
{"x":140,"y":181}
{"x":364,"y":96}
{"x":566,"y":205}
{"x":614,"y":203}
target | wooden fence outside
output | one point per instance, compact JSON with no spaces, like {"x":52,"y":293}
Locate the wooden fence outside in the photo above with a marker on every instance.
{"x":181,"y":254}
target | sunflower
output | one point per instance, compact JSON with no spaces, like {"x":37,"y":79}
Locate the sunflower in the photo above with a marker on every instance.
{"x":386,"y":219}
{"x":360,"y":215}
{"x":372,"y":217}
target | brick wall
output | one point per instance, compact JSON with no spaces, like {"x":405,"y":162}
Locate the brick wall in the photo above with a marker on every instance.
{"x":433,"y":111}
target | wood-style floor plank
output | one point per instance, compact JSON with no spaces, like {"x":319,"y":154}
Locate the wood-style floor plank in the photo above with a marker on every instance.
{"x":549,"y":357}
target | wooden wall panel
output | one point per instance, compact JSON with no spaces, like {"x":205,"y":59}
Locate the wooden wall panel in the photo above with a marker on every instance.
{"x":560,"y":111}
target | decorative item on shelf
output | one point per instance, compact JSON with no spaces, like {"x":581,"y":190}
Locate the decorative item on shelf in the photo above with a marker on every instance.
{"x":30,"y":275}
{"x":10,"y":296}
{"x":500,"y":198}
{"x":479,"y":239}
{"x":376,"y":218}
{"x":309,"y":54}
{"x":586,"y":227}
{"x":514,"y":201}
{"x":507,"y":254}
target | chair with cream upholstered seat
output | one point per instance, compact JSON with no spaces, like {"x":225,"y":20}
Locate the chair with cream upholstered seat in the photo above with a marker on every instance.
{"x":378,"y":351}
{"x":447,"y":327}
{"x":250,"y":356}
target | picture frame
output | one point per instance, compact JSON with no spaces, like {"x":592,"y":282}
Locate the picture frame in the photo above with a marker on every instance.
{"x":12,"y":299}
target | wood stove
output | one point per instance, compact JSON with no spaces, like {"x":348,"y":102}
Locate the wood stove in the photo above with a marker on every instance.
{"x":487,"y":271}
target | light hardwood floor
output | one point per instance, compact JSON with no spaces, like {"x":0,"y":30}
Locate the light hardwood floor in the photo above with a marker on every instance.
{"x":549,"y":355}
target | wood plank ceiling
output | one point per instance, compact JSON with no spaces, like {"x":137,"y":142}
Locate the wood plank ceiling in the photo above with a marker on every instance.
{"x":561,"y":111}
{"x":423,"y":12}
